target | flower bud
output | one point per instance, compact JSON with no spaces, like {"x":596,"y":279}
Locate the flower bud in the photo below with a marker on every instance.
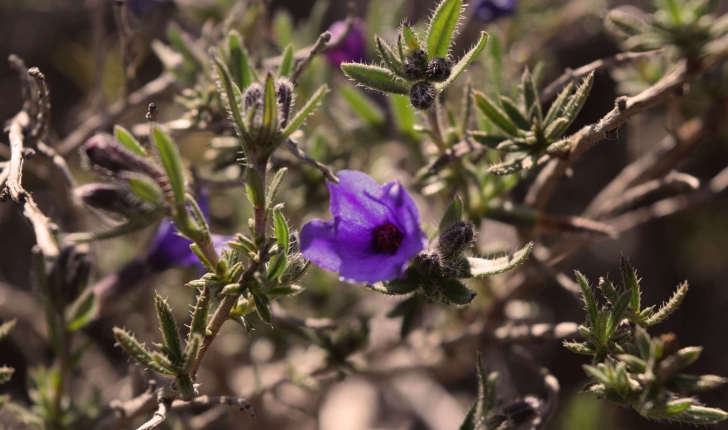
{"x":427,"y":263}
{"x":69,"y":274}
{"x":115,"y":199}
{"x":284,"y":96}
{"x":422,"y":95}
{"x":455,"y":239}
{"x":253,"y":96}
{"x":415,"y":65}
{"x":103,"y":151}
{"x":438,"y":70}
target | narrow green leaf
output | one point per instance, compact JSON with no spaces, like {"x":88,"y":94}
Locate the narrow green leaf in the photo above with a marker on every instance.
{"x":494,"y":114}
{"x":556,"y":129}
{"x":239,"y":63}
{"x":200,"y":314}
{"x":298,"y":120}
{"x":287,"y":63}
{"x":701,"y":415}
{"x":192,"y":350}
{"x":231,"y":96}
{"x":514,"y":164}
{"x":470,"y":421}
{"x":232,"y":290}
{"x":454,"y":292}
{"x":487,"y":139}
{"x":404,"y":116}
{"x":530,"y":94}
{"x":574,"y":105}
{"x":514,"y":113}
{"x":274,"y":185}
{"x":442,"y":26}
{"x":6,"y":373}
{"x":82,"y":311}
{"x":579,"y":348}
{"x":143,"y":187}
{"x":390,"y":58}
{"x":631,"y":283}
{"x":608,"y":290}
{"x":453,"y":214}
{"x":671,"y":306}
{"x":281,"y":231}
{"x":478,"y":267}
{"x":168,"y":326}
{"x":276,"y":266}
{"x":362,"y":106}
{"x":137,"y":351}
{"x":194,"y":59}
{"x":410,"y":39}
{"x":558,"y":105}
{"x":283,"y":27}
{"x":255,"y":188}
{"x":285,"y":291}
{"x":618,"y":310}
{"x":589,"y":300}
{"x":270,"y":109}
{"x":465,"y":61}
{"x":262,"y":306}
{"x":375,"y":78}
{"x":125,"y":138}
{"x":171,"y":162}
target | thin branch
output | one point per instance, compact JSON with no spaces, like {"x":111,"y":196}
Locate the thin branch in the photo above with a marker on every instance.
{"x":43,"y":98}
{"x":159,"y":416}
{"x":239,"y":402}
{"x":292,"y":146}
{"x":317,"y":47}
{"x":512,"y":332}
{"x":58,"y":161}
{"x":569,"y":75}
{"x":114,"y":112}
{"x":457,"y":151}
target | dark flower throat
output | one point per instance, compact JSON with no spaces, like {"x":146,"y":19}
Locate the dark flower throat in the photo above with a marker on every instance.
{"x":387,"y":238}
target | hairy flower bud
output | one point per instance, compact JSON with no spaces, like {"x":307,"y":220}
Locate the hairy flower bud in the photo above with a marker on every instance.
{"x":428,"y":263}
{"x":253,"y":95}
{"x":415,"y":65}
{"x":67,"y":278}
{"x":103,"y":151}
{"x":284,"y":96}
{"x":115,"y":199}
{"x":438,"y":69}
{"x":455,"y":239}
{"x":422,"y":95}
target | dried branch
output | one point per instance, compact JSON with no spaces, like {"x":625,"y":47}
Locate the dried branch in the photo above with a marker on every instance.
{"x":58,"y":161}
{"x":114,"y":112}
{"x":159,"y":416}
{"x":569,"y":75}
{"x":292,"y":146}
{"x":512,"y":332}
{"x":317,"y":47}
{"x":43,"y":100}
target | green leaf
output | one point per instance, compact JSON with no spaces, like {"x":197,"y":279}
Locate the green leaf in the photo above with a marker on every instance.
{"x":465,"y":61}
{"x":6,"y":327}
{"x":262,"y":306}
{"x":514,"y":113}
{"x":362,"y":106}
{"x":590,"y":301}
{"x":125,"y":138}
{"x":200,"y":314}
{"x":530,"y":93}
{"x":470,"y":421}
{"x":255,"y":188}
{"x":487,"y":139}
{"x":410,"y":39}
{"x":281,"y":231}
{"x":574,"y":105}
{"x":390,"y":58}
{"x":239,"y":64}
{"x":144,"y":188}
{"x":404,"y":116}
{"x":454,"y":292}
{"x":442,"y":26}
{"x":671,"y":306}
{"x":631,"y":283}
{"x":478,"y":267}
{"x":514,"y":164}
{"x":5,"y":374}
{"x":171,"y":162}
{"x":137,"y":351}
{"x":453,"y":214}
{"x":270,"y":109}
{"x":82,"y":311}
{"x":579,"y":348}
{"x":193,"y":58}
{"x":608,"y":290}
{"x":192,"y":350}
{"x":283,"y":27}
{"x":287,"y":63}
{"x":375,"y":78}
{"x":556,"y":129}
{"x":168,"y":325}
{"x":558,"y":105}
{"x":701,"y":415}
{"x":494,"y":114}
{"x":618,"y":310}
{"x":306,"y":110}
{"x":285,"y":290}
{"x":231,"y":97}
{"x":274,"y":185}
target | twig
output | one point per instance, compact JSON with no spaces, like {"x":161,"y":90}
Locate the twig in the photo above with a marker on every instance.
{"x":280,"y":315}
{"x":159,"y":416}
{"x":673,"y":181}
{"x":317,"y":47}
{"x":292,"y":146}
{"x":239,"y":402}
{"x":43,"y":118}
{"x":44,"y":228}
{"x":114,"y":112}
{"x":511,"y":332}
{"x":457,"y":151}
{"x":301,"y":54}
{"x":569,"y":75}
{"x":58,"y":161}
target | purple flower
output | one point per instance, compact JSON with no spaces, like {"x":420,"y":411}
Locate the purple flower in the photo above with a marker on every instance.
{"x":491,"y":10}
{"x":168,"y":249}
{"x":374,"y":232}
{"x":352,"y":49}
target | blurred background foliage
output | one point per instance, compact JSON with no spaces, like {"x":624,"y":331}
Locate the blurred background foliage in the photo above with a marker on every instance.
{"x":75,"y":43}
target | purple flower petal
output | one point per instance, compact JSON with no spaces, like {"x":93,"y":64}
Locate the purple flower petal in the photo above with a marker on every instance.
{"x":374,"y":232}
{"x":353,"y":47}
{"x":491,"y":10}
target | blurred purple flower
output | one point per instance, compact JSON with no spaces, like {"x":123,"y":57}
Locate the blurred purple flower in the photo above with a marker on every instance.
{"x":491,"y":10}
{"x":353,"y":48}
{"x":144,"y":7}
{"x":169,"y":249}
{"x":374,"y":232}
